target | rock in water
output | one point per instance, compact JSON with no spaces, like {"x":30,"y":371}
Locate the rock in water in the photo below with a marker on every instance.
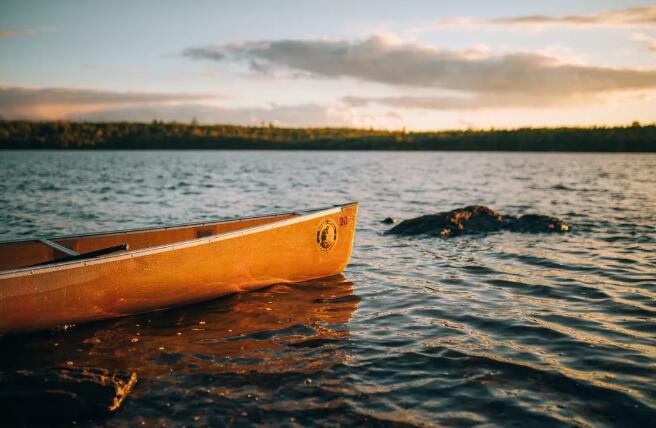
{"x":389,"y":220}
{"x":534,"y":223}
{"x":476,"y":219}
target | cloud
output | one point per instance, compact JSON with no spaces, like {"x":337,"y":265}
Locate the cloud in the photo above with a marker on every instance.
{"x":7,"y":34}
{"x":649,"y":42}
{"x":48,"y":103}
{"x":629,"y":17}
{"x":475,"y":102}
{"x":520,"y":78}
{"x":95,"y":105}
{"x":20,"y":96}
{"x":281,"y":115}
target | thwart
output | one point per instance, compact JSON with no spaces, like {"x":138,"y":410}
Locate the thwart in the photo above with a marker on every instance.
{"x":46,"y":283}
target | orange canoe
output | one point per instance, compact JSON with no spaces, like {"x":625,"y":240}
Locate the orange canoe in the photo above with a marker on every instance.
{"x":46,"y":283}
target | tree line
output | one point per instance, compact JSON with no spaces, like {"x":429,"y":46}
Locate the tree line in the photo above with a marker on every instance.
{"x":17,"y":134}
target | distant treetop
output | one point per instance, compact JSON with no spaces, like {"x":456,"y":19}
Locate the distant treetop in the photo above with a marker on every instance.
{"x":172,"y":135}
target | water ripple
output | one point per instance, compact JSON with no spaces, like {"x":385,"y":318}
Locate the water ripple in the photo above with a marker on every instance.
{"x":498,"y":329}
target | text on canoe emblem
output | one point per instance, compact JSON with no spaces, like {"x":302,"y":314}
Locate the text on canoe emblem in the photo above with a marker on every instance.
{"x":327,"y":234}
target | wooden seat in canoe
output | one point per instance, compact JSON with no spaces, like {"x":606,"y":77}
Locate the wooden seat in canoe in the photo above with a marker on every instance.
{"x":74,"y":255}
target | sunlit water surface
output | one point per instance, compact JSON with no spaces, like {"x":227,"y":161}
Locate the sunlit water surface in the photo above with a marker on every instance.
{"x":491,"y":329}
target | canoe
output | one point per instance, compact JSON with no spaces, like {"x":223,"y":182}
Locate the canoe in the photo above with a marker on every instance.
{"x":55,"y":282}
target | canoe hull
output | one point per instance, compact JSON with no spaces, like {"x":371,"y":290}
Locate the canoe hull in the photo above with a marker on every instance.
{"x":291,"y":250}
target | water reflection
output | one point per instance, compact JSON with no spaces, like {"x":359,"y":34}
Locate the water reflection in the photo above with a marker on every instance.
{"x":299,"y":328}
{"x":480,"y":330}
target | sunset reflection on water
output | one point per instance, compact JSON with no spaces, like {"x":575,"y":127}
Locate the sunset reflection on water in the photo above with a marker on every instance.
{"x":283,"y":328}
{"x":479,"y":329}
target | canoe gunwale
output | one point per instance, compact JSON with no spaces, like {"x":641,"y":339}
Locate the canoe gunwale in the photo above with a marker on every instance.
{"x":304,"y":215}
{"x":235,"y":219}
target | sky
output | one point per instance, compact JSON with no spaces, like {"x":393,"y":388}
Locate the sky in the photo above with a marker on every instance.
{"x":418,"y":65}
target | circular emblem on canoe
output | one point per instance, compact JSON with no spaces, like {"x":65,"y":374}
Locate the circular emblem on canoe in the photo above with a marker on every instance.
{"x":327,"y":235}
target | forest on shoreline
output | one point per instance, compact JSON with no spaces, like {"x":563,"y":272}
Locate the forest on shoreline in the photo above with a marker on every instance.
{"x":185,"y":136}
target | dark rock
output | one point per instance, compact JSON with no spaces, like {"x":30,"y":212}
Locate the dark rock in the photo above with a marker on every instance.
{"x":476,"y":219}
{"x":389,"y":220}
{"x":534,"y":223}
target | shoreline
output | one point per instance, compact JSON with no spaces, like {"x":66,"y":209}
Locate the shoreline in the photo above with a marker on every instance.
{"x":60,"y":135}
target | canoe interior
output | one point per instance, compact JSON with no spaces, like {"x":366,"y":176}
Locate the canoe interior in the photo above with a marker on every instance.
{"x":17,"y":254}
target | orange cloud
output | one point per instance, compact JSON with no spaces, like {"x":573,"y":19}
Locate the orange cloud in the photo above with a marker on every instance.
{"x":629,"y":17}
{"x":58,"y":103}
{"x":6,"y":34}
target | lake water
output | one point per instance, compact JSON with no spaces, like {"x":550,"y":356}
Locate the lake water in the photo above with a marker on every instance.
{"x":498,"y":329}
